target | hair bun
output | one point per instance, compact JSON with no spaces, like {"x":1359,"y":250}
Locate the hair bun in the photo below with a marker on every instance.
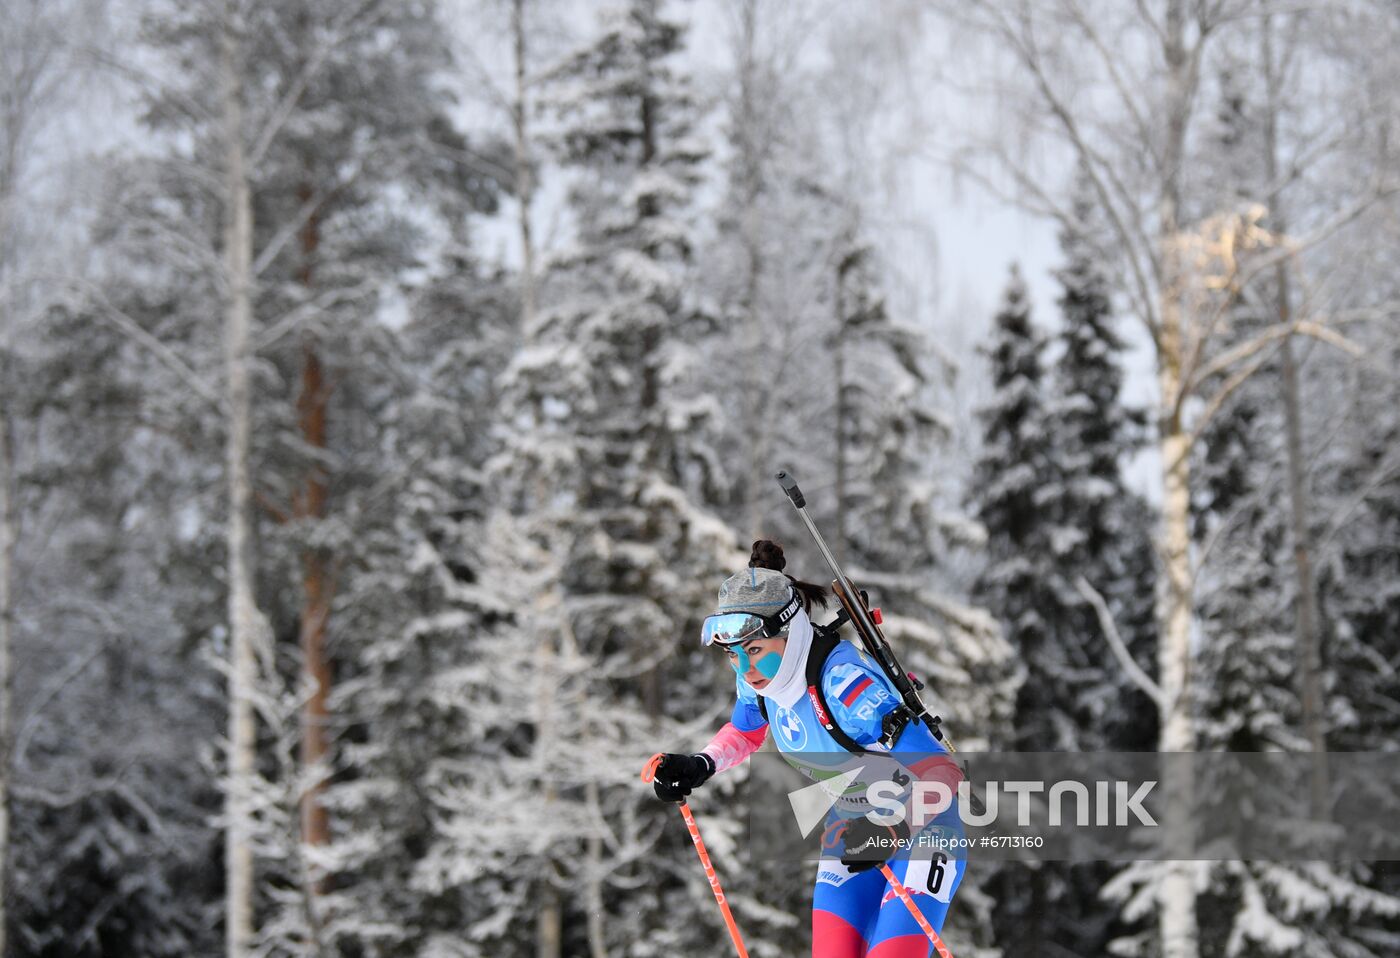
{"x":767,"y":554}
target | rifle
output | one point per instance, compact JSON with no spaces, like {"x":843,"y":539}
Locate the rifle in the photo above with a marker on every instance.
{"x":855,"y":608}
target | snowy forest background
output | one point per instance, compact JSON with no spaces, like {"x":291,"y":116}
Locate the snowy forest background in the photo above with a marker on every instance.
{"x":387,"y":385}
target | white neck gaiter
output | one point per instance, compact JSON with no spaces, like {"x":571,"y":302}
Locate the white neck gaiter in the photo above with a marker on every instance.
{"x":791,"y":681}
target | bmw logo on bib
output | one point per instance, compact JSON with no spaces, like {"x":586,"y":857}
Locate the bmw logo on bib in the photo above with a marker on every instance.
{"x":790,"y":727}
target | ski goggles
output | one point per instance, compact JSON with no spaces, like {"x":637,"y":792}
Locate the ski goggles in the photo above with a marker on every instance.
{"x":729,"y":628}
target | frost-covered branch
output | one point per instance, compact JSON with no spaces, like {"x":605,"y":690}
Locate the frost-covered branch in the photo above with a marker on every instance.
{"x":1275,"y":336}
{"x":56,"y":685}
{"x":151,"y":84}
{"x":1110,"y":60}
{"x":293,"y":318}
{"x":282,"y":112}
{"x":1237,"y":379}
{"x":201,"y":259}
{"x":1267,"y":337}
{"x":1115,"y":641}
{"x":1241,"y":278}
{"x":86,"y":790}
{"x":1250,"y":501}
{"x":1107,"y":187}
{"x":163,"y":353}
{"x":293,"y":226}
{"x":1385,"y":470}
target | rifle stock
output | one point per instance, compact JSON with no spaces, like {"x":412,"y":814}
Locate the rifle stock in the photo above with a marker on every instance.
{"x":857,"y":609}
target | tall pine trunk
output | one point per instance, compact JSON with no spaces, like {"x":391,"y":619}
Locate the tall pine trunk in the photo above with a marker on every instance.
{"x":317,"y":589}
{"x":7,"y":605}
{"x":840,"y":343}
{"x":242,"y":609}
{"x":549,"y":912}
{"x":549,"y":918}
{"x":1305,"y":624}
{"x":752,"y":402}
{"x":317,"y":593}
{"x":1175,"y":598}
{"x":14,"y":120}
{"x":524,"y":175}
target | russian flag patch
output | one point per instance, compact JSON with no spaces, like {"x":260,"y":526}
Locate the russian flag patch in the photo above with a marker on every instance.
{"x":851,"y":694}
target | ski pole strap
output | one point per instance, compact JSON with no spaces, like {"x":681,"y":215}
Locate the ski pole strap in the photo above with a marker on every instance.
{"x":903,"y":894}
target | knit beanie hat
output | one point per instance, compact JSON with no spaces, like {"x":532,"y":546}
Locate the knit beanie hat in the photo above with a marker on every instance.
{"x":764,"y":592}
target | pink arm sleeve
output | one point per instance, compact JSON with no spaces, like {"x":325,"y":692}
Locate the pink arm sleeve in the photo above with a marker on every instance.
{"x":730,"y":746}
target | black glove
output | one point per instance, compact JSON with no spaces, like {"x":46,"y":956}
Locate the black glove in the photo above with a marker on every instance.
{"x":676,"y":775}
{"x":868,"y":845}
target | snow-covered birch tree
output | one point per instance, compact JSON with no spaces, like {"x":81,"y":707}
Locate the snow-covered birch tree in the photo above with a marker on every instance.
{"x":248,"y":628}
{"x":1266,"y":476}
{"x":1177,"y":265}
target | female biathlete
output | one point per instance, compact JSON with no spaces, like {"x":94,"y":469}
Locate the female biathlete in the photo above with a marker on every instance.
{"x":762,"y":624}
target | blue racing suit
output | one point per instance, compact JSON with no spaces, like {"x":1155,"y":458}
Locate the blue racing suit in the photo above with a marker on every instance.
{"x":858,"y":915}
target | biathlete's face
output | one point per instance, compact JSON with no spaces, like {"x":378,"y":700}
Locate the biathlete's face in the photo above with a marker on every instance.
{"x":757,"y":660}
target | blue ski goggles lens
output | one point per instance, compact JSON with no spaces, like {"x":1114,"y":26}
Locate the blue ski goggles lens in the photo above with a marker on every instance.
{"x":731,"y":627}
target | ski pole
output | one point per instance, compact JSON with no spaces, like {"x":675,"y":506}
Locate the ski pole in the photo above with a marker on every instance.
{"x":649,"y":773}
{"x":903,"y":894}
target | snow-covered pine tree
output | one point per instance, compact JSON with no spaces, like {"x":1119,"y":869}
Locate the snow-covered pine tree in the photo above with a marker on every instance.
{"x":119,"y":471}
{"x":1100,"y":530}
{"x":1014,"y":483}
{"x":1355,"y":472}
{"x":112,"y":851}
{"x":606,"y":453}
{"x":380,"y":480}
{"x":878,"y":426}
{"x":1007,"y":497}
{"x":1361,"y":599}
{"x":420,"y":612}
{"x":344,"y":190}
{"x":365,"y":172}
{"x":893,"y":525}
{"x":1247,"y":651}
{"x":71,"y":666}
{"x":1359,"y":567}
{"x":896,"y":529}
{"x":43,"y":62}
{"x":1250,"y":704}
